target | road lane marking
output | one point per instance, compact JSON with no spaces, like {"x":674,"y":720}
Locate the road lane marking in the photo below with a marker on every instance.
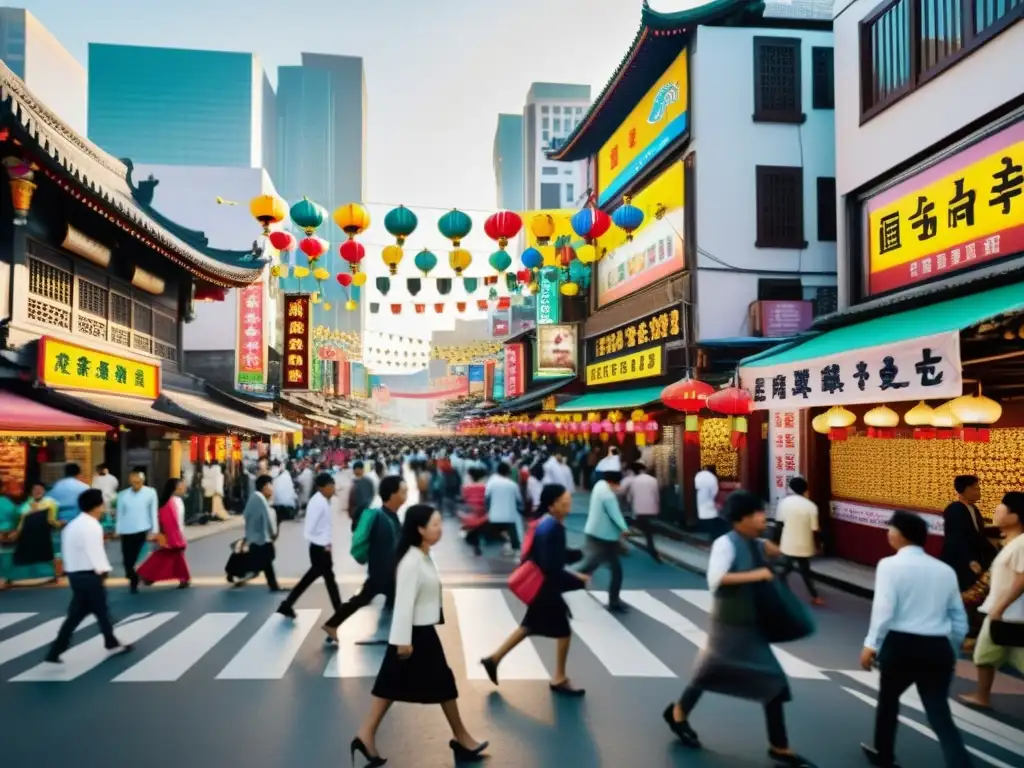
{"x":10,"y":619}
{"x":351,"y":659}
{"x":485,"y":621}
{"x":926,"y":731}
{"x":967,"y":720}
{"x":86,"y":656}
{"x":179,"y":654}
{"x":270,"y":652}
{"x":793,"y":666}
{"x":622,"y":654}
{"x":35,"y":638}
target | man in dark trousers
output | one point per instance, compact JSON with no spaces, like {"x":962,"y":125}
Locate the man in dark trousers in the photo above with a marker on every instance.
{"x":360,"y":497}
{"x":380,"y":565}
{"x":965,"y":548}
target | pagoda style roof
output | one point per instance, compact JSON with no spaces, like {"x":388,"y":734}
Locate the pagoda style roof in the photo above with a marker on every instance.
{"x":104,"y":184}
{"x":659,"y":40}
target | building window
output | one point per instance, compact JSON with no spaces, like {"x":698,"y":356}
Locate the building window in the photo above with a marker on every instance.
{"x":546,"y":136}
{"x":545,"y":123}
{"x":547,"y":170}
{"x":579,"y":110}
{"x":570,"y":193}
{"x":905,"y":43}
{"x":557,"y":126}
{"x":823,"y":94}
{"x":826,"y":209}
{"x":550,"y":196}
{"x":777,"y":80}
{"x":780,"y":207}
{"x":557,"y":110}
{"x":544,"y":109}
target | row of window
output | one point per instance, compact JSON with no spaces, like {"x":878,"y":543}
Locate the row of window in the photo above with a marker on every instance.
{"x":557,"y":110}
{"x":780,"y":207}
{"x":557,"y":196}
{"x":905,"y":43}
{"x":778,"y":95}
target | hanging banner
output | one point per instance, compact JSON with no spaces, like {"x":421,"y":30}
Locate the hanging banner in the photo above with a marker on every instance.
{"x":879,"y":517}
{"x":916,"y":369}
{"x":549,"y":304}
{"x":251,"y":355}
{"x":655,"y":253}
{"x":69,"y":366}
{"x":296,"y":371}
{"x":515,"y":370}
{"x":556,"y":351}
{"x":783,"y":454}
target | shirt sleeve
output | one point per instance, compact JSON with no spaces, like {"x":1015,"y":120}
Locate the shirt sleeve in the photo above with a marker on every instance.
{"x":723,"y":553}
{"x":957,"y":615}
{"x":883,"y":607}
{"x":405,"y":602}
{"x":96,"y":552}
{"x":814,"y":520}
{"x":611,"y":503}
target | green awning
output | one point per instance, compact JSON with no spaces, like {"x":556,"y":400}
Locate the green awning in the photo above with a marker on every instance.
{"x":606,"y":401}
{"x":941,"y":317}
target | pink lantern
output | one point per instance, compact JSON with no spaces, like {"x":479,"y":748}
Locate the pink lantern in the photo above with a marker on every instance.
{"x":630,"y":427}
{"x":620,"y":428}
{"x":651,"y":426}
{"x":595,"y":428}
{"x":607,"y":426}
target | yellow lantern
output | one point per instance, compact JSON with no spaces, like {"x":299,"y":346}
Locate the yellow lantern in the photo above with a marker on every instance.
{"x":534,"y":287}
{"x":350,"y":305}
{"x":321,"y":274}
{"x":944,"y":421}
{"x":820,"y":424}
{"x":543,"y":227}
{"x":351,"y":218}
{"x":314,"y":297}
{"x":460,"y":259}
{"x":839,"y":421}
{"x":391,"y":256}
{"x":327,"y":306}
{"x":976,"y":413}
{"x":919,"y":416}
{"x":301,"y":272}
{"x":267,"y":210}
{"x":569,"y":289}
{"x":587,"y":254}
{"x":882,"y":422}
{"x":359,"y":279}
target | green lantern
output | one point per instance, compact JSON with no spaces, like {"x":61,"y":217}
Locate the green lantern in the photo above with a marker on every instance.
{"x":500,"y":261}
{"x":307,"y":215}
{"x":400,"y":222}
{"x":455,"y":225}
{"x":425,"y":261}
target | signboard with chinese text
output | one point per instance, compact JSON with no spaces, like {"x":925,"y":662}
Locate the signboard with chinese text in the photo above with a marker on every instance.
{"x":918,"y":369}
{"x":654,"y":125}
{"x":296,"y":366}
{"x":556,"y":351}
{"x":523,"y":314}
{"x":961,"y":212}
{"x":70,"y":366}
{"x":515,"y":370}
{"x":637,"y":365}
{"x":879,"y":517}
{"x":251,"y":354}
{"x":665,"y":325}
{"x":783,"y":454}
{"x":655,"y":253}
{"x":549,"y":302}
{"x":780,"y":319}
{"x":500,"y":323}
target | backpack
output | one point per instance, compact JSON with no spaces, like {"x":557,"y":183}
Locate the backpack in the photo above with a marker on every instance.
{"x":360,"y":549}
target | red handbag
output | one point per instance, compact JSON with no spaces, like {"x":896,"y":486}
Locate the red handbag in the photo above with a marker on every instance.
{"x":526,"y":581}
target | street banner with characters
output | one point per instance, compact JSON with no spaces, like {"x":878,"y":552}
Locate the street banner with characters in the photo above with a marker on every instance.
{"x":918,"y":369}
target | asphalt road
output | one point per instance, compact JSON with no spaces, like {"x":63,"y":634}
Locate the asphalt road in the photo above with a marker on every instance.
{"x":217,"y":680}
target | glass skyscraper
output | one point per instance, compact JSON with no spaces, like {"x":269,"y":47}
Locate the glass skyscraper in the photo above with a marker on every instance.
{"x":508,"y":162}
{"x":173,"y":106}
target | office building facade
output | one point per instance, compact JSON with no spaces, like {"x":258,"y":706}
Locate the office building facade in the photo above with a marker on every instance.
{"x":552,"y":112}
{"x":508,"y":162}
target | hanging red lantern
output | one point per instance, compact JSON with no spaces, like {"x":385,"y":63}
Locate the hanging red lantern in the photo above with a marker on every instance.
{"x":282,"y":241}
{"x":689,"y":396}
{"x":481,"y":304}
{"x":439,"y":308}
{"x":420,"y":308}
{"x":737,"y":404}
{"x":503,"y":226}
{"x":524,"y":276}
{"x":566,"y":254}
{"x":461,"y":306}
{"x":396,"y":309}
{"x":344,"y":279}
{"x":313,"y":247}
{"x":353,"y":252}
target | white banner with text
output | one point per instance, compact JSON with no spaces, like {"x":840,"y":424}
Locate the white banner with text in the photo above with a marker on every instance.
{"x":879,"y":517}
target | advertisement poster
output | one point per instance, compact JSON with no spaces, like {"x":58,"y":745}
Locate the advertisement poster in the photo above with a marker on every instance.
{"x":296,"y":368}
{"x":523,"y":314}
{"x":70,"y":366}
{"x":556,"y":350}
{"x":964,"y":211}
{"x":783,"y":454}
{"x":251,"y":355}
{"x":501,"y":323}
{"x":515,"y":370}
{"x":549,"y":302}
{"x":476,"y":379}
{"x":655,"y":253}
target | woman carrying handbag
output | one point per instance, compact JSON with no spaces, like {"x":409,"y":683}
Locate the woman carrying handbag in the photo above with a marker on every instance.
{"x":540,"y":581}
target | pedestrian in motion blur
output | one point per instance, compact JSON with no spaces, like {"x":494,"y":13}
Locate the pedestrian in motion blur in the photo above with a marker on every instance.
{"x":738,"y":660}
{"x":605,"y":535}
{"x":260,"y":531}
{"x":415,"y":669}
{"x":167,"y":562}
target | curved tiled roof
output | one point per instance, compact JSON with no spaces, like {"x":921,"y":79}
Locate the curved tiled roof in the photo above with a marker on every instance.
{"x":102,"y":182}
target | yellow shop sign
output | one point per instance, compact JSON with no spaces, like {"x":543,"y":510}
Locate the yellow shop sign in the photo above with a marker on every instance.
{"x":70,"y":366}
{"x":638,"y":365}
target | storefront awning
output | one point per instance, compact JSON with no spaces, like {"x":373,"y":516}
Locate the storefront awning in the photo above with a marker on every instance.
{"x":119,"y":408}
{"x":284,"y":424}
{"x":199,"y":407}
{"x":531,"y":399}
{"x":607,"y":401}
{"x":909,"y":355}
{"x":21,"y":417}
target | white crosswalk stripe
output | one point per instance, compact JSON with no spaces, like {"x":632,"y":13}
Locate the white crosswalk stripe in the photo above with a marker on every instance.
{"x":175,"y":657}
{"x":34,"y":639}
{"x":353,"y":660}
{"x":614,"y":645}
{"x":485,"y":620}
{"x":272,"y":649}
{"x":10,"y":619}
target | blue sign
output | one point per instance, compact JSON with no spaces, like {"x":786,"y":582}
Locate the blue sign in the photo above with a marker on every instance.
{"x":669,"y":134}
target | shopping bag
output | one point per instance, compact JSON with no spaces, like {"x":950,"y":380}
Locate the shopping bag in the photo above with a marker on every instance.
{"x":526,"y":581}
{"x":781,"y":617}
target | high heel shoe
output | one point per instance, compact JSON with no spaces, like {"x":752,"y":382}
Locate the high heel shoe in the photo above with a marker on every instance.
{"x":467,"y":755}
{"x":358,"y":746}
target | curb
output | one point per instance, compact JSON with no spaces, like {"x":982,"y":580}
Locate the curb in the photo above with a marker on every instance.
{"x":200,"y":532}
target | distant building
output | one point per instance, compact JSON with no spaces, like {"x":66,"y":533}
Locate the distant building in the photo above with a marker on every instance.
{"x":508,"y":162}
{"x":52,"y":74}
{"x":552,"y":112}
{"x":172,"y":106}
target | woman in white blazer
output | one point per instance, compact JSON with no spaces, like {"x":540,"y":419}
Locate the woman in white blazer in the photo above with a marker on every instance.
{"x":415,"y":669}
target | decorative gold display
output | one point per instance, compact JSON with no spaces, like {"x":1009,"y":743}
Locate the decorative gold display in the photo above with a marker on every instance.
{"x":716,"y":448}
{"x":919,"y":473}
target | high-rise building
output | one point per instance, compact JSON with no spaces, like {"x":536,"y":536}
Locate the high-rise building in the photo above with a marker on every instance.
{"x":172,"y":106}
{"x":552,"y":111}
{"x":53,"y":75}
{"x":508,"y":162}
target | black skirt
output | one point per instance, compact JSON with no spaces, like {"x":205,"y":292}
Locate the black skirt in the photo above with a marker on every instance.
{"x":423,"y":678}
{"x":548,"y":615}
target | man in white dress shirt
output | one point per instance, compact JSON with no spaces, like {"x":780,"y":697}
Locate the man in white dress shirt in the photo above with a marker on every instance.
{"x":319,"y":532}
{"x":918,"y":624}
{"x":86,"y":565}
{"x":107,"y":483}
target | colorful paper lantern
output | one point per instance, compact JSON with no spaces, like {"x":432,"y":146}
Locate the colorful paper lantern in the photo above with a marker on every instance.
{"x":301,"y":272}
{"x":839,"y":421}
{"x":920,"y":418}
{"x":307,"y":215}
{"x":267,"y":210}
{"x":359,"y":279}
{"x":344,"y":279}
{"x":590,"y":223}
{"x":400,"y":222}
{"x":351,"y":218}
{"x":945,"y":422}
{"x":313,"y":247}
{"x":425,"y":261}
{"x":320,"y":274}
{"x":500,"y":261}
{"x":977,"y":413}
{"x":628,"y":217}
{"x":737,"y":404}
{"x":502,"y":227}
{"x":882,"y":422}
{"x":392,"y":256}
{"x":459,"y":259}
{"x":353,"y":252}
{"x":350,"y":305}
{"x":542,"y":226}
{"x":531,"y":258}
{"x":569,"y":289}
{"x":282,"y":241}
{"x":455,"y":225}
{"x":689,"y":396}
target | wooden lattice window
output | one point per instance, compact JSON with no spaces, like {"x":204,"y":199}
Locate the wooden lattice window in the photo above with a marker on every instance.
{"x":120,"y":309}
{"x":780,"y":207}
{"x":142,"y":319}
{"x":823,"y":94}
{"x":165,"y":328}
{"x":92,"y":298}
{"x":777,"y":97}
{"x":50,"y":282}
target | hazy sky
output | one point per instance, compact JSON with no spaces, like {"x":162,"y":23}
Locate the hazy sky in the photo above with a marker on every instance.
{"x":438,"y":72}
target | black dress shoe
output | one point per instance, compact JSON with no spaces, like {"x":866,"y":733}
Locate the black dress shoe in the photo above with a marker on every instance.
{"x":874,"y":758}
{"x":682,"y":730}
{"x":467,"y":755}
{"x":287,"y":611}
{"x":789,"y":759}
{"x":491,"y":669}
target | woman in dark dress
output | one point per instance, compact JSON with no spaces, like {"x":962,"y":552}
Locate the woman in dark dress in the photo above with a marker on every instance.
{"x":548,"y":615}
{"x":415,"y":669}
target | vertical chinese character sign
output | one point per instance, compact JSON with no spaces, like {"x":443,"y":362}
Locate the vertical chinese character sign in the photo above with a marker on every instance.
{"x":298,"y":343}
{"x":515,"y":370}
{"x":251,"y":355}
{"x":783,"y":453}
{"x":549,"y":305}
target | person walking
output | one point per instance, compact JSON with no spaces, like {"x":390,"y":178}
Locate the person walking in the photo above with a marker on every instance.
{"x":799,"y":518}
{"x":260,"y":532}
{"x":138,"y":521}
{"x":738,"y":660}
{"x":705,"y":486}
{"x":917,"y":620}
{"x":383,"y":536}
{"x":86,"y":564}
{"x":504,"y":507}
{"x":360,"y":495}
{"x":643,"y":496}
{"x":548,"y":615}
{"x":415,"y":669}
{"x":285,"y":499}
{"x":318,"y":530}
{"x":604,"y":534}
{"x":167,"y":563}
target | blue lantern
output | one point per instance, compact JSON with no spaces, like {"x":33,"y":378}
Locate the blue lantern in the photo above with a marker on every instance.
{"x":531,"y":258}
{"x":628,"y":218}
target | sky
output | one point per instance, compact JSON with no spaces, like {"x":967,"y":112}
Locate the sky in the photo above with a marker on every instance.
{"x":438,"y":73}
